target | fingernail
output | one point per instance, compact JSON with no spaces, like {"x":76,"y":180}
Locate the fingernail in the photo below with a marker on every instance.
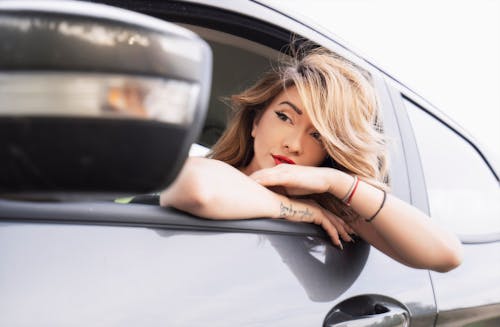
{"x":341,"y":246}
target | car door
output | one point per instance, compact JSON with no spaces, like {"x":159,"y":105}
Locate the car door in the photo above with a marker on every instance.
{"x":99,"y":262}
{"x":268,"y":28}
{"x":460,"y":188}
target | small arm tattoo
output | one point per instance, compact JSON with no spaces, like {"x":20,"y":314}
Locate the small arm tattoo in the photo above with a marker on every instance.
{"x":290,"y":211}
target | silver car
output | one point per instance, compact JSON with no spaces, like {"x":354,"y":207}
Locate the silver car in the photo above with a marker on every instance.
{"x":99,"y":103}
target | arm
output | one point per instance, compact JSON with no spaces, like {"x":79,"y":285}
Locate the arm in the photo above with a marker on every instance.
{"x":215,"y":190}
{"x":399,"y":229}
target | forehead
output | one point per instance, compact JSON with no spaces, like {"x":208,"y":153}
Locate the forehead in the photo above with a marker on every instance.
{"x":290,"y":92}
{"x":290,"y":96}
{"x":290,"y":99}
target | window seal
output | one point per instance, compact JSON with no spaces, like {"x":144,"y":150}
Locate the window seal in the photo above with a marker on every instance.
{"x":144,"y":215}
{"x":253,"y":29}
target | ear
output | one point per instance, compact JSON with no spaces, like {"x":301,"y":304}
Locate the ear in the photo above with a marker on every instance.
{"x":256,"y":120}
{"x":254,"y":126}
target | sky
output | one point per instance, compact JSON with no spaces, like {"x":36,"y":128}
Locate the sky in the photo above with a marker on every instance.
{"x":446,"y":51}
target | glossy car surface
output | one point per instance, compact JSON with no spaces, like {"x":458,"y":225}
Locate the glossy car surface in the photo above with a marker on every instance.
{"x":70,"y":260}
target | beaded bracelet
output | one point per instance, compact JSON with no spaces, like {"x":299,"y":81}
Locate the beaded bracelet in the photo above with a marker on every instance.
{"x":369,"y":220}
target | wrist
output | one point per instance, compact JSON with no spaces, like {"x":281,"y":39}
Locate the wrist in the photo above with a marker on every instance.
{"x":339,"y":183}
{"x":331,"y":179}
{"x":294,"y":209}
{"x":280,"y":201}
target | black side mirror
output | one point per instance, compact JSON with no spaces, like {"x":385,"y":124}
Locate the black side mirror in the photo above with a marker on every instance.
{"x":95,"y":98}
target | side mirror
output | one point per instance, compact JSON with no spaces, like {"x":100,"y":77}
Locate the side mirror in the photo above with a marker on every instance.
{"x":95,"y":98}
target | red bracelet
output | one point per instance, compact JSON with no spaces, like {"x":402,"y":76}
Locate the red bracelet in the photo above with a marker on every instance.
{"x":348,"y":202}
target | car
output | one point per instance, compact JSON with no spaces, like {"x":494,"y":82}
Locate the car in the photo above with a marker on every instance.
{"x":101,"y":101}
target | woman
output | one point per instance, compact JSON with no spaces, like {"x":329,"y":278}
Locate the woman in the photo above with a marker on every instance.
{"x":306,"y":144}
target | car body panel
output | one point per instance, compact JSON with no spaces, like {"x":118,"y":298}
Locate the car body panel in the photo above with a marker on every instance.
{"x":470,"y":294}
{"x":80,"y":275}
{"x":72,"y":274}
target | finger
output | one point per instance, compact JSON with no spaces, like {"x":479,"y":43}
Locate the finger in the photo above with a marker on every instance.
{"x":280,"y":174}
{"x":341,"y":230}
{"x":349,"y":229}
{"x":340,"y":225}
{"x":265,"y":177}
{"x":331,"y":231}
{"x":321,"y":220}
{"x":324,"y":222}
{"x":352,"y":226}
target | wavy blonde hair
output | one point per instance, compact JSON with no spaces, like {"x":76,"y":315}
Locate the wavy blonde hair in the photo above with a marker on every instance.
{"x":342,"y":105}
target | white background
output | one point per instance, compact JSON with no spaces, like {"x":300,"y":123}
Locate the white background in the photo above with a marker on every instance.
{"x":446,"y":51}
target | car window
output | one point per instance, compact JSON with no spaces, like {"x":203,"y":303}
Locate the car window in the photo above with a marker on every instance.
{"x":237,"y":64}
{"x":462,"y":191}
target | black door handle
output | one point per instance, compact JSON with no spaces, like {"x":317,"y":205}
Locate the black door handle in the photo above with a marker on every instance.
{"x":368,"y":310}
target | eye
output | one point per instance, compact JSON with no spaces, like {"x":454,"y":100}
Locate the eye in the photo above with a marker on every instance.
{"x":282,"y":116}
{"x":316,"y":136}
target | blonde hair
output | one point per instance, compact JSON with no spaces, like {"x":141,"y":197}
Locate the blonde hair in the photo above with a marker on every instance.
{"x":342,"y":105}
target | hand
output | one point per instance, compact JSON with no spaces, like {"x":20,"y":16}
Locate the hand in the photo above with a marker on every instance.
{"x":295,"y":179}
{"x":311,"y":212}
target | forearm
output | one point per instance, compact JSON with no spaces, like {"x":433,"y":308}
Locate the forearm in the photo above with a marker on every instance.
{"x":254,"y":201}
{"x":399,"y":229}
{"x":244,"y":201}
{"x":215,"y":190}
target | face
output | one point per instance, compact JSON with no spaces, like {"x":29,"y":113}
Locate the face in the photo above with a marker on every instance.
{"x":283,"y":133}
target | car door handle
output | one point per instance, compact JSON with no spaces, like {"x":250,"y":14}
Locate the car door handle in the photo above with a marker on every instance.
{"x":368,"y":310}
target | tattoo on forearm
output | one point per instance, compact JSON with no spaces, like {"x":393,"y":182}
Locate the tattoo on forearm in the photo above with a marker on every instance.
{"x":289,"y":211}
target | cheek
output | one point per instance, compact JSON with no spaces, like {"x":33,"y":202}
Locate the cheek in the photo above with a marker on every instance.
{"x":316,"y":155}
{"x":259,"y":141}
{"x":265,"y":132}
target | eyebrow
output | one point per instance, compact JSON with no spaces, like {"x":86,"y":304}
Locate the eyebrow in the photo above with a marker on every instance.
{"x":293,"y":106}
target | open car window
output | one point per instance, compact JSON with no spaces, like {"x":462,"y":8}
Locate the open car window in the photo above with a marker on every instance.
{"x":237,"y":64}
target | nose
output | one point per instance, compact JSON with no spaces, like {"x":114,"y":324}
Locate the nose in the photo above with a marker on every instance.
{"x":293,"y":143}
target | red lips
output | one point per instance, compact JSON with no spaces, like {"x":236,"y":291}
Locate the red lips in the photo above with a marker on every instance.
{"x":282,"y":159}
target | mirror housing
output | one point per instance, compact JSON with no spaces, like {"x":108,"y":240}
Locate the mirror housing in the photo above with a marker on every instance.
{"x":95,"y":98}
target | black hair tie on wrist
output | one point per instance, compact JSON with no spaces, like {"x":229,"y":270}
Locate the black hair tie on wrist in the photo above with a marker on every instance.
{"x":369,"y":220}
